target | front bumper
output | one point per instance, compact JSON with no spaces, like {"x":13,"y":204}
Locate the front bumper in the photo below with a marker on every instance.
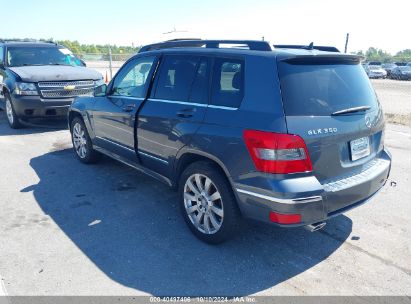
{"x":306,"y":196}
{"x":36,"y":107}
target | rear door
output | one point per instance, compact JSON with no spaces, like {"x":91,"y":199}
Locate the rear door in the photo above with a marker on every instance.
{"x":114,"y":114}
{"x":331,"y":104}
{"x":173,"y":113}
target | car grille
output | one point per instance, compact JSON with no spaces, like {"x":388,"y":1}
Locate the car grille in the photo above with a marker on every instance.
{"x":59,"y":89}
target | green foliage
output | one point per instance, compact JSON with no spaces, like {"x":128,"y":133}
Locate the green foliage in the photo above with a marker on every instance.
{"x":81,"y":49}
{"x":375,"y":54}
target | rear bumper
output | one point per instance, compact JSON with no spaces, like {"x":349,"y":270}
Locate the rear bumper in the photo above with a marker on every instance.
{"x":313,"y":201}
{"x":35,"y":107}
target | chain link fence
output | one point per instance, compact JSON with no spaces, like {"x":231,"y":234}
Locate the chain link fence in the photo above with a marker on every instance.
{"x":106,"y":64}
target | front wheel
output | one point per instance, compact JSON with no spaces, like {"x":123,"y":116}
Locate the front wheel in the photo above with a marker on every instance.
{"x":82,"y":143}
{"x":12,"y":117}
{"x":208,"y":204}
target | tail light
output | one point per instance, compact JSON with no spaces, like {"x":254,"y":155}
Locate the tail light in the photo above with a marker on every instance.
{"x":277,"y":152}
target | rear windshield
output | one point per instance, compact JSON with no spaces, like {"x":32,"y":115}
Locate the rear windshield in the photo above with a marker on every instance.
{"x":322,"y":89}
{"x":29,"y":56}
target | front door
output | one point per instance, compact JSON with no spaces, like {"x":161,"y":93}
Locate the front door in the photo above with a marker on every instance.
{"x":114,"y":115}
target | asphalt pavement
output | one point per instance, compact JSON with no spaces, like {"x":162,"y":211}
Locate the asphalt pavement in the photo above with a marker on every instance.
{"x":72,"y":229}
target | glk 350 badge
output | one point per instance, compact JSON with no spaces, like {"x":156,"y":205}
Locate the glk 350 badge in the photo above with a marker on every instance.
{"x":322,"y":131}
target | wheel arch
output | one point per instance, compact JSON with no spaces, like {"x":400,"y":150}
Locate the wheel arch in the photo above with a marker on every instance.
{"x":188,"y":156}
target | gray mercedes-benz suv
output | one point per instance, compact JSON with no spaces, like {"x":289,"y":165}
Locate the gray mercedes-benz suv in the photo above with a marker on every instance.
{"x":292,"y":135}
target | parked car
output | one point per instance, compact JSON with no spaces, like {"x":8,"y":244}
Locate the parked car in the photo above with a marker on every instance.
{"x":290,"y":137}
{"x":375,"y":63}
{"x":388,"y":67}
{"x":40,"y":79}
{"x":400,"y":63}
{"x":375,"y":71}
{"x":401,"y":73}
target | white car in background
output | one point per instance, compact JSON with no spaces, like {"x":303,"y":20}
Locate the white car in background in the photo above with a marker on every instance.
{"x":375,"y":71}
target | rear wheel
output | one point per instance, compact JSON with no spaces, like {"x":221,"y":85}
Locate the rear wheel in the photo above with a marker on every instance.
{"x":82,"y":143}
{"x":12,"y":117}
{"x":208,"y":204}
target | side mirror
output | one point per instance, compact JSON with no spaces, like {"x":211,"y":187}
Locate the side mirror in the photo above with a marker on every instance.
{"x":100,"y":91}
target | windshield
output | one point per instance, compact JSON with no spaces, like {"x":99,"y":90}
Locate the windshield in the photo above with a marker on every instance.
{"x":26,"y":56}
{"x":323,"y":89}
{"x":405,"y":69}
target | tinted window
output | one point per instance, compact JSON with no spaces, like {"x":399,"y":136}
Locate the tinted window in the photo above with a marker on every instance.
{"x":19,"y":56}
{"x":176,"y":77}
{"x":199,"y":89}
{"x":1,"y":54}
{"x":324,"y":88}
{"x":132,"y":79}
{"x":228,"y":83}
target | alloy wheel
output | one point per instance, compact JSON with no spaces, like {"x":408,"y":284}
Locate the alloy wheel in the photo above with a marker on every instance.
{"x":203,"y":204}
{"x":9,"y":111}
{"x":80,"y":140}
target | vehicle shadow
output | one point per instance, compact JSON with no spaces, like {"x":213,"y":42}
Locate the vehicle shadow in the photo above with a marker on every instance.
{"x":129,"y":226}
{"x":32,"y":127}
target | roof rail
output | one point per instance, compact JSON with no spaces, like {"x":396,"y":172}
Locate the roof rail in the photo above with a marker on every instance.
{"x":214,"y":44}
{"x":26,"y":40}
{"x":309,"y":47}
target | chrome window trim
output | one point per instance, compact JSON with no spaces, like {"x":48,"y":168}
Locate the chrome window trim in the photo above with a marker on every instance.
{"x":300,"y":200}
{"x":223,"y":108}
{"x":126,"y":97}
{"x":153,"y":157}
{"x":179,"y":102}
{"x":194,"y":104}
{"x":114,"y":143}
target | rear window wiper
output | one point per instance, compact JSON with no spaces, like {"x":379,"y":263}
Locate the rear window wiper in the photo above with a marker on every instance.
{"x":351,"y":110}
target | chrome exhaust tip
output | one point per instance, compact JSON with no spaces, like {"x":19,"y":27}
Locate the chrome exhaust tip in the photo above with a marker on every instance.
{"x":315,"y":227}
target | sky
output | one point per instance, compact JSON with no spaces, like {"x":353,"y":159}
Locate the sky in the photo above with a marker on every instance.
{"x":383,"y":24}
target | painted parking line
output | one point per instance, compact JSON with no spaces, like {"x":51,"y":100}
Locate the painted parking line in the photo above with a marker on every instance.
{"x":399,"y":132}
{"x":3,"y":291}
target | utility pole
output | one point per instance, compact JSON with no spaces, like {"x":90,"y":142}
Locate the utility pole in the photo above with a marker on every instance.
{"x":110,"y":58}
{"x":346,"y":42}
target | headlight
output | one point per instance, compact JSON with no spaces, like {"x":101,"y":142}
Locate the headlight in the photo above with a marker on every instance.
{"x":99,"y":82}
{"x":25,"y":88}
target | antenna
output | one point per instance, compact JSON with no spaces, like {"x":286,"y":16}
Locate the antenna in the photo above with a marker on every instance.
{"x":174,"y":31}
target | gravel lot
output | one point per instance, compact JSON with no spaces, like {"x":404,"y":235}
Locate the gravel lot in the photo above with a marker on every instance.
{"x":72,"y":229}
{"x":394,"y":95}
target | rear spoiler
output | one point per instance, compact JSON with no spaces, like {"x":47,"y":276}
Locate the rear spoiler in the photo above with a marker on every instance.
{"x":305,"y":47}
{"x":322,"y":59}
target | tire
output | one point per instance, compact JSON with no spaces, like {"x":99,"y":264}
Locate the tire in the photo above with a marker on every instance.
{"x":212,"y":216}
{"x":83,"y":147}
{"x":11,"y":115}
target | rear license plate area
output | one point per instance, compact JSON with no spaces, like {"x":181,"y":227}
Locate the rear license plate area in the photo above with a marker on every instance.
{"x":360,"y":148}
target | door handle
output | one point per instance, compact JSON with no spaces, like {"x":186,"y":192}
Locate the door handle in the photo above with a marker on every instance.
{"x":129,"y":108}
{"x":186,"y":113}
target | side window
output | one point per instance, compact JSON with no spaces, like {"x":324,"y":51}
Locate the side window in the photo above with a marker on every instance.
{"x":132,"y":79}
{"x":228,"y":82}
{"x":1,"y":54}
{"x":199,"y":89}
{"x":176,"y":77}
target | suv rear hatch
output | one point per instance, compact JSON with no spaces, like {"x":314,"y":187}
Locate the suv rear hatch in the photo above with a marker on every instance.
{"x":328,"y":100}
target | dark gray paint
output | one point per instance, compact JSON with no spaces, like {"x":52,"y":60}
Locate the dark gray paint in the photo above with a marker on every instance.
{"x":217,"y":134}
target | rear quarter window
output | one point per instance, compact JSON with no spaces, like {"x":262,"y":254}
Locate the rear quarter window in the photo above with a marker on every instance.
{"x":228,"y":82}
{"x":322,"y":89}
